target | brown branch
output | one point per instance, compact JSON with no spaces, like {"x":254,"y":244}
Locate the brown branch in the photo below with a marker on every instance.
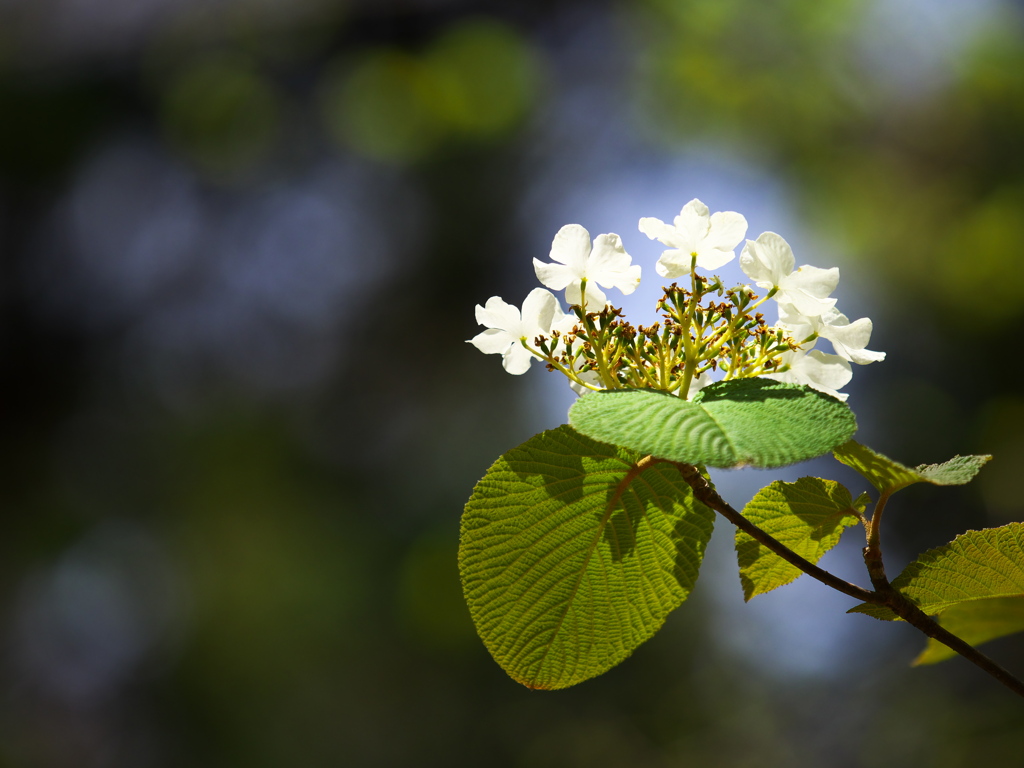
{"x":884,"y":593}
{"x":708,"y":496}
{"x":903,"y":607}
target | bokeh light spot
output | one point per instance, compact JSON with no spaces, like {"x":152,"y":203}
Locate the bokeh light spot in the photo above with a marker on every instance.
{"x":380,"y":107}
{"x":981,"y":251}
{"x":487,"y":75}
{"x":1001,"y":434}
{"x":222,"y":113}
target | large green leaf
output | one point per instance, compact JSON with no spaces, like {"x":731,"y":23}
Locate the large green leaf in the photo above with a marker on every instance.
{"x":572,"y":555}
{"x":976,"y":567}
{"x":889,"y":476}
{"x":745,"y":422}
{"x":808,"y":516}
{"x":976,"y":622}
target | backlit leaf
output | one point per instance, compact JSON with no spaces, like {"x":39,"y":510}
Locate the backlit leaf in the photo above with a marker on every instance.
{"x":889,"y":476}
{"x":975,"y":569}
{"x":745,"y":422}
{"x":808,"y":516}
{"x":976,"y":622}
{"x":572,"y":554}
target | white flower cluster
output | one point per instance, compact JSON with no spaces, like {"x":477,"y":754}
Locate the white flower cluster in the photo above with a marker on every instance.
{"x":696,"y":238}
{"x":806,"y":313}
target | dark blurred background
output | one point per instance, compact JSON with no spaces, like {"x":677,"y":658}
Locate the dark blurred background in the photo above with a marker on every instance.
{"x":241,"y":241}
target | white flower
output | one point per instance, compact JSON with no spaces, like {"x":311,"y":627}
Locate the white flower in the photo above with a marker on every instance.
{"x":825,"y":373}
{"x":768,"y":261}
{"x":711,"y":238}
{"x":848,"y":339}
{"x":606,"y":264}
{"x":507,"y":327}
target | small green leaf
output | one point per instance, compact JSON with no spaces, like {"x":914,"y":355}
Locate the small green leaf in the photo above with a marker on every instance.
{"x":745,"y":422}
{"x":976,"y":567}
{"x":862,"y":501}
{"x":572,"y":554}
{"x":889,"y":476}
{"x":976,"y":623}
{"x":808,"y":516}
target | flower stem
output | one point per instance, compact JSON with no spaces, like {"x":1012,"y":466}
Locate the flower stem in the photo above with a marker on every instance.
{"x":690,"y":348}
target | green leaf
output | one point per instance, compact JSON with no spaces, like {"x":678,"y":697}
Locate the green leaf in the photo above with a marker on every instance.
{"x":572,"y":554}
{"x":975,"y":567}
{"x":889,"y":476}
{"x":808,"y":516}
{"x":756,"y":422}
{"x":976,"y":622}
{"x":862,"y":501}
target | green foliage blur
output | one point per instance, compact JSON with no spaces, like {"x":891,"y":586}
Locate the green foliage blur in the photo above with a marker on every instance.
{"x":239,"y":250}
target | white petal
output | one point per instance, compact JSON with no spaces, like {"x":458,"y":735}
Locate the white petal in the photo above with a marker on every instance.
{"x":850,"y":339}
{"x":656,"y":229}
{"x":608,"y":255}
{"x":564,"y":323}
{"x":824,"y":372}
{"x":674,"y":264}
{"x":595,"y":296}
{"x":571,"y":247}
{"x":573,"y":295}
{"x":859,"y":356}
{"x":538,"y":312}
{"x":808,"y":288}
{"x":590,"y":377}
{"x":611,"y":266}
{"x":786,"y":377}
{"x":834,"y":317}
{"x":806,"y":304}
{"x":768,"y":259}
{"x":558,"y":316}
{"x":626,"y":281}
{"x":492,"y":341}
{"x":796,"y":324}
{"x":517,"y":359}
{"x":854,"y":335}
{"x":791,"y":317}
{"x":554,"y":276}
{"x":497,"y":314}
{"x":813,"y":281}
{"x":712,"y":258}
{"x":727,"y":230}
{"x":692,"y":220}
{"x":754,"y":267}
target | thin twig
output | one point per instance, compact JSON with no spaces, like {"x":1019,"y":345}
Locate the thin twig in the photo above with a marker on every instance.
{"x":884,"y":594}
{"x":708,"y":496}
{"x":903,"y":607}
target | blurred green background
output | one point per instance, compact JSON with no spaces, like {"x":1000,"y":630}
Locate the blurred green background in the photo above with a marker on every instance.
{"x":241,"y":243}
